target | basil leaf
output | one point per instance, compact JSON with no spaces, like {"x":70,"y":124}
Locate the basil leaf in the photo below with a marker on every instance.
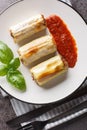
{"x":14,"y":63}
{"x":6,"y":55}
{"x":3,"y":69}
{"x":16,"y":78}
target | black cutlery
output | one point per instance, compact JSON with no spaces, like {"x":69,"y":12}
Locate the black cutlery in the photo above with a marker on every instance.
{"x":73,"y":114}
{"x":82,"y":90}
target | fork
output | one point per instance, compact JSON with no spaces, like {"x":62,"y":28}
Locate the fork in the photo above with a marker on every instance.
{"x":73,"y":114}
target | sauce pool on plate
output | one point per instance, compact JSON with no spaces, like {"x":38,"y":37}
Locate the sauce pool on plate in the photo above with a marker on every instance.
{"x":65,"y":42}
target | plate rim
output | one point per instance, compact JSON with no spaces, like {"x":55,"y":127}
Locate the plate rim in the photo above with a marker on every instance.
{"x":60,"y":100}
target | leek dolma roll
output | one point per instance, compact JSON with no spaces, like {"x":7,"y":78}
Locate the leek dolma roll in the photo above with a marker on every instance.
{"x":37,"y":49}
{"x":27,"y":28}
{"x":49,"y":69}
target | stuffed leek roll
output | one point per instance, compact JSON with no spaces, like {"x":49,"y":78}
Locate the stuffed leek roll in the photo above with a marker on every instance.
{"x":37,"y":49}
{"x":49,"y":69}
{"x":27,"y":28}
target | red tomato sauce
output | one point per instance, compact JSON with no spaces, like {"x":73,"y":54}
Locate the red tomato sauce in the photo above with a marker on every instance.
{"x":65,"y":42}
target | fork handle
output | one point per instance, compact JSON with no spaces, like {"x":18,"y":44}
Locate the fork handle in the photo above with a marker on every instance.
{"x":69,"y":116}
{"x":65,"y":114}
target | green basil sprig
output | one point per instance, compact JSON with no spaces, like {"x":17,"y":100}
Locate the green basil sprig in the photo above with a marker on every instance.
{"x":9,"y":66}
{"x":16,"y":79}
{"x":14,"y":63}
{"x":6,"y":55}
{"x":3,"y":69}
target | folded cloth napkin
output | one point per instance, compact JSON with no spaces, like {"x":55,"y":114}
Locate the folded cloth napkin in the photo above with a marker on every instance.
{"x":20,"y":107}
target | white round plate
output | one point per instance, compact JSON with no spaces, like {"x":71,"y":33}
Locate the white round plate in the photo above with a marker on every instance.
{"x":64,"y":85}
